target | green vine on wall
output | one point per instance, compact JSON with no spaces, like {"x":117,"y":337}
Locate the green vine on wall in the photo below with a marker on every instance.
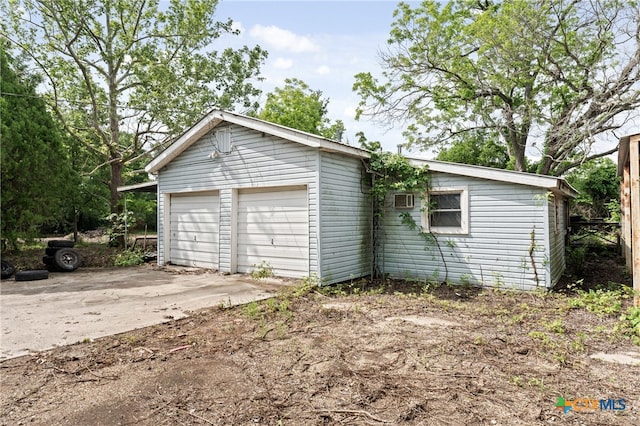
{"x":395,"y":173}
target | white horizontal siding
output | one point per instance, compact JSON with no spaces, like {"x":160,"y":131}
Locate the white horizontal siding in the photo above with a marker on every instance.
{"x":495,"y":252}
{"x":257,"y":160}
{"x":345,"y":213}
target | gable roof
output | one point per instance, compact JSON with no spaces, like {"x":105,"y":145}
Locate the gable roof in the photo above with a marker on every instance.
{"x":554,"y":184}
{"x":216,"y":117}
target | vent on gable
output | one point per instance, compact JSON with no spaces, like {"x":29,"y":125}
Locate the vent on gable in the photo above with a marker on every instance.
{"x":403,"y":201}
{"x":223,"y":141}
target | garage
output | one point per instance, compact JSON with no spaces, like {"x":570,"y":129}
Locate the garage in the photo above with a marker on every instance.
{"x":273,"y":227}
{"x":194,"y":230}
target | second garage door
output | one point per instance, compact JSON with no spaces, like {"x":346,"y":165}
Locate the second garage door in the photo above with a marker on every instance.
{"x":194,"y":230}
{"x":273,"y":227}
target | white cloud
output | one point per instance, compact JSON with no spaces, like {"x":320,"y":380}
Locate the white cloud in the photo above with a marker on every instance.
{"x":283,"y":63}
{"x":323,"y":70}
{"x":283,"y":40}
{"x":237,"y":26}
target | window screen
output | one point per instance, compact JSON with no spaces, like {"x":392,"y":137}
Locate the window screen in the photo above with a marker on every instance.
{"x":446,"y":210}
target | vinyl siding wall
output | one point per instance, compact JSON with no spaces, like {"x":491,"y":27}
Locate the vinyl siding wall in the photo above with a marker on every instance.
{"x":345,"y":214}
{"x":257,"y":160}
{"x":557,"y":211}
{"x":494,"y":253}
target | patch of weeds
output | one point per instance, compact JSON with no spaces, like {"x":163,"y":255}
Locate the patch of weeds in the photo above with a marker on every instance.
{"x":517,"y":380}
{"x":555,"y":326}
{"x":281,"y":330}
{"x":263,"y":329}
{"x":578,"y":344}
{"x":252,"y":310}
{"x":542,"y":337}
{"x":600,"y":302}
{"x":130,"y":340}
{"x":561,"y":357}
{"x":129,"y":258}
{"x":536,"y":383}
{"x":262,"y":271}
{"x":518,"y":318}
{"x":630,"y":324}
{"x":359,"y":287}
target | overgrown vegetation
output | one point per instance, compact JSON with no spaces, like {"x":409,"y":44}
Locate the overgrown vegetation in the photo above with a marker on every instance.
{"x":129,"y":258}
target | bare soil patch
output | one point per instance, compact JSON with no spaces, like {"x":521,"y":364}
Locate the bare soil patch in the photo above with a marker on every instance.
{"x":396,"y":353}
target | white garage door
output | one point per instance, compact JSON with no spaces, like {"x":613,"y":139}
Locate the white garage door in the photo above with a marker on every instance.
{"x":273,"y":226}
{"x":194,"y":230}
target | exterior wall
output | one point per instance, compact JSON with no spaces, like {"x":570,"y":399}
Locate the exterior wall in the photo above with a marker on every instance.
{"x":558,"y":215}
{"x":345,"y":214}
{"x":257,"y":160}
{"x":503,"y":218}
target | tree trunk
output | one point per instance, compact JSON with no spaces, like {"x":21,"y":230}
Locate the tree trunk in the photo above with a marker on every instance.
{"x":114,"y":202}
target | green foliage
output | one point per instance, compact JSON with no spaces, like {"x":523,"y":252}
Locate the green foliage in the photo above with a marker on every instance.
{"x":261,"y":271}
{"x":37,"y":179}
{"x":599,"y":186}
{"x":297,"y":106}
{"x":129,"y":258}
{"x":477,"y":148}
{"x":548,"y":75}
{"x":601,"y":301}
{"x":121,"y":224}
{"x":393,"y":172}
{"x":631,"y":323}
{"x":124,"y":75}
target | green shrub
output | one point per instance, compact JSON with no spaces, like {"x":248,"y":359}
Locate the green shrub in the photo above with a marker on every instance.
{"x":129,"y":258}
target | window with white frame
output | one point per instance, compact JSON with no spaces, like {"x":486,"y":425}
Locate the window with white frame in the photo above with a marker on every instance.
{"x":447,"y":211}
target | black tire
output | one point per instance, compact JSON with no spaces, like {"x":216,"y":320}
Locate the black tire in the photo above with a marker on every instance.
{"x":61,"y":243}
{"x":7,"y":269}
{"x":48,"y":260}
{"x":51,"y":251}
{"x":67,"y":259}
{"x":53,"y":268}
{"x":36,"y":274}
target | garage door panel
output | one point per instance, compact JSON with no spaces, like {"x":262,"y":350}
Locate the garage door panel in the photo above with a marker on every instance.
{"x":279,"y":241}
{"x":194,"y":230}
{"x":202,"y":231}
{"x":273,"y":227}
{"x":275,"y":217}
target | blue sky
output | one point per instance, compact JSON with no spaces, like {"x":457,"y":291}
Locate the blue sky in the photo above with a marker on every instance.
{"x":324,"y":44}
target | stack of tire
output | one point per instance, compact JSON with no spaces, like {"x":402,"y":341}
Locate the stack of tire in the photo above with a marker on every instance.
{"x":60,"y":256}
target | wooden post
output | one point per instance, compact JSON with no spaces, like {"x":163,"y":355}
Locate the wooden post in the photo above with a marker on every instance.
{"x":625,"y":206}
{"x":634,"y":185}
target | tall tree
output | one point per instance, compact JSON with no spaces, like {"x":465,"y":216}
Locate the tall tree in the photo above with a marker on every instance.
{"x":36,"y":172}
{"x":131,"y":66}
{"x":549,"y":75}
{"x":476,"y":148}
{"x":297,"y":106}
{"x":598,"y":185}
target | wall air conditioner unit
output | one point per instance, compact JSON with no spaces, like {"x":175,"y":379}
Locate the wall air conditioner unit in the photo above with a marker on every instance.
{"x":403,"y":201}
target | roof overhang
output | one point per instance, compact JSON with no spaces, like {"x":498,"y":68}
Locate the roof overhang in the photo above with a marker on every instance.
{"x":216,"y":117}
{"x":623,"y":153}
{"x":151,"y":186}
{"x":554,"y":184}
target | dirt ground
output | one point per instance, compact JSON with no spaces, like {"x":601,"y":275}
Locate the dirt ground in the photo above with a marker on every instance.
{"x":393,"y":353}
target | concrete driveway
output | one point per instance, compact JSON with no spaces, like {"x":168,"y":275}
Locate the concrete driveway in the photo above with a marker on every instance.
{"x":91,"y":303}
